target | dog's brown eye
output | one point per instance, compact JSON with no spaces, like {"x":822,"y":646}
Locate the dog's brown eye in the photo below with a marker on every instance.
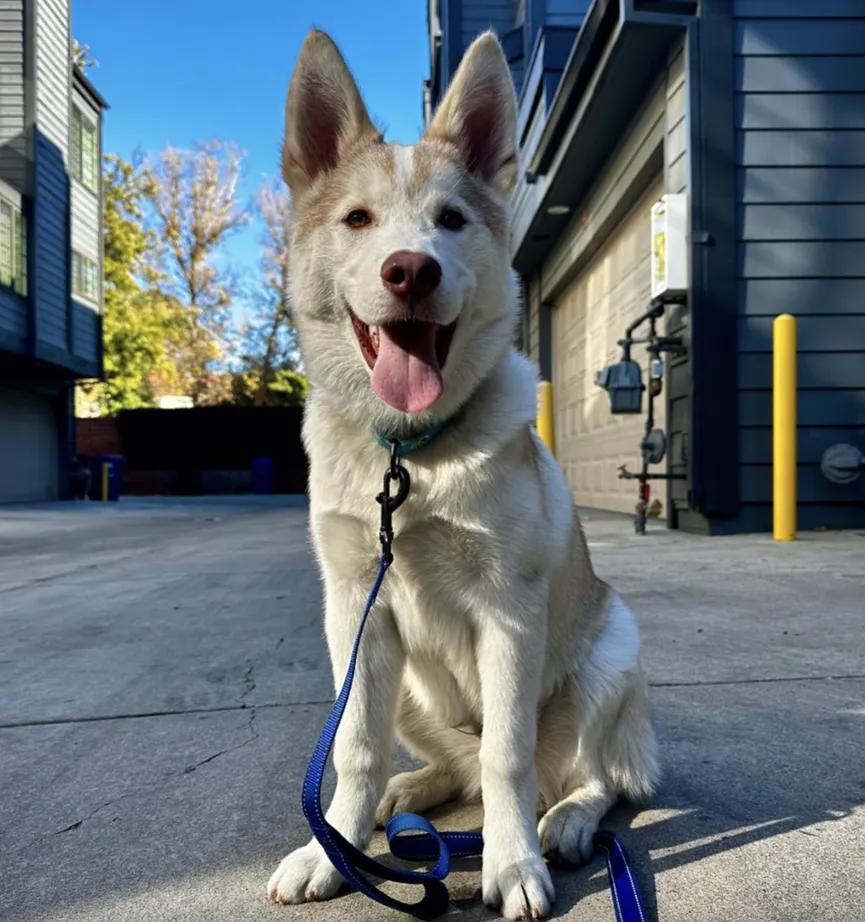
{"x":451,"y":219}
{"x":358,"y":218}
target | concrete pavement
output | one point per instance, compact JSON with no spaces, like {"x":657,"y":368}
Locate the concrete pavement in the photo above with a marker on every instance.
{"x":163,"y":681}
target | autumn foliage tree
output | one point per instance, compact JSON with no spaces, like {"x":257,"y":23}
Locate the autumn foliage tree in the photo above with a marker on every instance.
{"x":169,"y":303}
{"x":194,"y":199}
{"x":168,"y":320}
{"x":269,"y":376}
{"x":142,"y":324}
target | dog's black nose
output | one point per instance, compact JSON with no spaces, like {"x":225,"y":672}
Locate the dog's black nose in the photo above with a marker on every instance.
{"x":411,"y":276}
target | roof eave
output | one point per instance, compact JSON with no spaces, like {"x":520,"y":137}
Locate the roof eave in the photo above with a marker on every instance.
{"x":612,"y":64}
{"x":87,"y":87}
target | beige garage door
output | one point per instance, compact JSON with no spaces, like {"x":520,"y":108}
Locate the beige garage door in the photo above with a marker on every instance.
{"x":587,"y":321}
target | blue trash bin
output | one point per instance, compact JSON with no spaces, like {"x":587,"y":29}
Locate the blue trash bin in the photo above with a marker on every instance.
{"x":115,"y":464}
{"x":115,"y":476}
{"x":262,"y":475}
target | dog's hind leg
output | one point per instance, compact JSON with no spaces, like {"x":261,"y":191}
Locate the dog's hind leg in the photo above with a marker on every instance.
{"x":415,"y":792}
{"x":616,"y":757}
{"x":567,"y":830}
{"x":453,"y":770}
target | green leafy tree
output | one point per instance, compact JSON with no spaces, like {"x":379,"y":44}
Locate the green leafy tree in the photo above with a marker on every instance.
{"x":142,"y":325}
{"x":81,"y":56}
{"x":286,"y":388}
{"x":289,"y":387}
{"x":194,"y":202}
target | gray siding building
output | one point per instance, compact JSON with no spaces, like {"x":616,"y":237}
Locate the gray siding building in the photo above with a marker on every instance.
{"x":50,"y":246}
{"x":754,"y":112}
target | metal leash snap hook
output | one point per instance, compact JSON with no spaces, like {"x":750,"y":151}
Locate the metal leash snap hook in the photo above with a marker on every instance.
{"x":397,"y":472}
{"x":389,"y":504}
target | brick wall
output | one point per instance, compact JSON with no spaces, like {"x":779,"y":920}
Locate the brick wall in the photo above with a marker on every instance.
{"x":99,"y":436}
{"x":206,"y":450}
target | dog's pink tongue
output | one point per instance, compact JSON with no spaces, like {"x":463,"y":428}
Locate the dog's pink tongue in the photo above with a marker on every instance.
{"x":407,"y":374}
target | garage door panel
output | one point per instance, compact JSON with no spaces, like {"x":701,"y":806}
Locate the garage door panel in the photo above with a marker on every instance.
{"x":588,"y":320}
{"x":29,"y":447}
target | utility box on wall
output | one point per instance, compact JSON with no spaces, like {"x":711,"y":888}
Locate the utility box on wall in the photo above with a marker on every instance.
{"x":670,"y":247}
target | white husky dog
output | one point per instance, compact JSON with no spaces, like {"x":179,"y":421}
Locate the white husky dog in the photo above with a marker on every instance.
{"x":494,"y":653}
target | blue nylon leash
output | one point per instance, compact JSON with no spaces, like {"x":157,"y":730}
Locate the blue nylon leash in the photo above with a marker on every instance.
{"x":345,"y":857}
{"x":409,"y":836}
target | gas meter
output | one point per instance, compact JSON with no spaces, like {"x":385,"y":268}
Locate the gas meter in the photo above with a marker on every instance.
{"x":623,"y":381}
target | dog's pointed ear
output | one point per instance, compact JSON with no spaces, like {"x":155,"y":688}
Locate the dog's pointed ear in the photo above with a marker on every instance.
{"x":324,"y":113}
{"x":479,"y":113}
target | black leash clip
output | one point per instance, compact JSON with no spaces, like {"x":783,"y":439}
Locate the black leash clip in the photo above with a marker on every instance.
{"x":389,"y":504}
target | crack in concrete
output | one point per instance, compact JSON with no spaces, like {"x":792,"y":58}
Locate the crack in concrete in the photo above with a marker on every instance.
{"x":52,"y":577}
{"x":167,"y":776}
{"x":248,"y":688}
{"x":248,"y":683}
{"x":180,"y":712}
{"x":709,"y":683}
{"x":191,"y":768}
{"x":81,"y":822}
{"x":269,"y":705}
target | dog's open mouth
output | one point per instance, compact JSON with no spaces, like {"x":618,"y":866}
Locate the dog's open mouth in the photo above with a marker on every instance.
{"x":406,"y":358}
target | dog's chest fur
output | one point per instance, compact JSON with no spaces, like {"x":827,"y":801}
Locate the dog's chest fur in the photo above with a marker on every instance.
{"x":436,"y":596}
{"x":473,"y":523}
{"x":487,"y":511}
{"x":448,"y":567}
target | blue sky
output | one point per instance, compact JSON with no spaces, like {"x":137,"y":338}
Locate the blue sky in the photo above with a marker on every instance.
{"x":178,"y":71}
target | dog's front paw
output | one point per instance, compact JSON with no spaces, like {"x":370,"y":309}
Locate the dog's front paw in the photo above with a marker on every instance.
{"x":519,"y":884}
{"x":567,"y":833}
{"x":303,"y":876}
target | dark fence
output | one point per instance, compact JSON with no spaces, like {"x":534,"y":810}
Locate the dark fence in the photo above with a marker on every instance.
{"x":202,"y":450}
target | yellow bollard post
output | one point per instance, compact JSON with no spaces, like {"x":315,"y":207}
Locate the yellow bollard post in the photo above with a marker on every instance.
{"x":546,"y":429}
{"x":784,"y":427}
{"x":105,"y":470}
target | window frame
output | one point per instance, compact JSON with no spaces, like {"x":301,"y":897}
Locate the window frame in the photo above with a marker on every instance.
{"x":81,"y":277}
{"x":83,"y":125}
{"x":16,"y":277}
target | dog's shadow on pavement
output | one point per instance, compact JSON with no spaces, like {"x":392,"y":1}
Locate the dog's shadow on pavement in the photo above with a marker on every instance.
{"x":743,"y":766}
{"x":760,"y":786}
{"x":573,"y":884}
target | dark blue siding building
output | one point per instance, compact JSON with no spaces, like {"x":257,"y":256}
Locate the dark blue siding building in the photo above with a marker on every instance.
{"x":751,"y":115}
{"x":50,"y":246}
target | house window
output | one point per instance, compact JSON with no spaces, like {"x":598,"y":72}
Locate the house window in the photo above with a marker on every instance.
{"x":85,"y":278}
{"x":13,"y":248}
{"x":85,"y":150}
